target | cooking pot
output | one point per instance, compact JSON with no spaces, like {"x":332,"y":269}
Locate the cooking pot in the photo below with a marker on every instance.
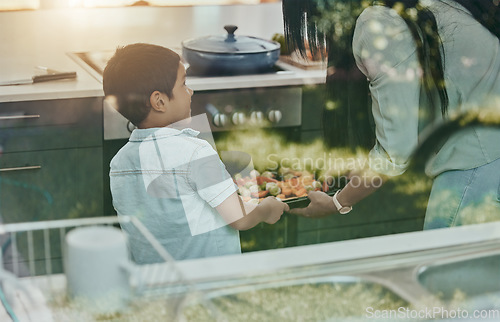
{"x":229,"y":54}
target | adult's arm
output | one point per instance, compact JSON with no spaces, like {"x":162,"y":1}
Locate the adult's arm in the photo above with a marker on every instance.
{"x":385,"y":52}
{"x":360,"y":185}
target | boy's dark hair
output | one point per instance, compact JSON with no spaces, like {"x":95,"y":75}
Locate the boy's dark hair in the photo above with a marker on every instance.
{"x":134,"y":73}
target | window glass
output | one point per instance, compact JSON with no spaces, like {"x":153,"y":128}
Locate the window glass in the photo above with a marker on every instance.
{"x":119,"y":3}
{"x":43,"y":4}
{"x":19,"y":4}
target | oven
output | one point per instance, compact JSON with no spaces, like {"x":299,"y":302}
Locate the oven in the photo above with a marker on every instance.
{"x":248,"y":120}
{"x":230,"y":110}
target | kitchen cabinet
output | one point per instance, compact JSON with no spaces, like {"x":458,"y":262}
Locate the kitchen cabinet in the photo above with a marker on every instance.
{"x":51,"y":161}
{"x":51,"y":184}
{"x":50,"y":168}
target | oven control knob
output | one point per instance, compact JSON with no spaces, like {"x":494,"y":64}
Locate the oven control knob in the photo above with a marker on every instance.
{"x":130,"y":126}
{"x":275,"y":116}
{"x":220,"y":120}
{"x":257,"y":117}
{"x":238,"y":118}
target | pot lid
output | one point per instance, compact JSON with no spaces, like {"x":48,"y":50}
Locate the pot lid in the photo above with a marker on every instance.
{"x":230,"y":43}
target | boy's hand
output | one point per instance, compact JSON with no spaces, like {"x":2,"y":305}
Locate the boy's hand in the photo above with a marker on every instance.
{"x":274,"y":209}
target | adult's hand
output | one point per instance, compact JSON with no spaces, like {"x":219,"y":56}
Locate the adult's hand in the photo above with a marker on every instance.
{"x":321,"y":206}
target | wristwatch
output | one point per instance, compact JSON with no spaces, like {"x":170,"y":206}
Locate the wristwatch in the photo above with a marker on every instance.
{"x":342,"y":210}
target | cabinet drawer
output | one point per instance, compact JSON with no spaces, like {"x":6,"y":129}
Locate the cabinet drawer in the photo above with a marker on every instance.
{"x":51,"y":124}
{"x":47,"y":185}
{"x":53,"y":184}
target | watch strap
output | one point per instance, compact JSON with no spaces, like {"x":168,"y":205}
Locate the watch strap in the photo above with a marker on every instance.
{"x":341,"y":209}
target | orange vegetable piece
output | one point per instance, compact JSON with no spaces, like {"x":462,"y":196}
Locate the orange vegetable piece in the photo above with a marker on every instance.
{"x":294,"y":182}
{"x":260,"y":194}
{"x":301,"y":192}
{"x":286,"y":191}
{"x":261,"y":180}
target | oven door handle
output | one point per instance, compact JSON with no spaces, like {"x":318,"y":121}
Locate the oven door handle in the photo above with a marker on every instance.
{"x":32,"y":167}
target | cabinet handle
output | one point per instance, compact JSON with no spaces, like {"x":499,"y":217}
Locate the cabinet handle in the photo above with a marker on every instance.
{"x":31,"y":167}
{"x":18,"y":117}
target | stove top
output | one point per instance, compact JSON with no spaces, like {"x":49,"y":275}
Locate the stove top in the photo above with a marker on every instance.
{"x":284,"y":73}
{"x":273,"y":70}
{"x":95,"y":62}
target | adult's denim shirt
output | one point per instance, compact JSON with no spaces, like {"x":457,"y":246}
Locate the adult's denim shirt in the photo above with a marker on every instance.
{"x":385,"y":52}
{"x":172,"y":181}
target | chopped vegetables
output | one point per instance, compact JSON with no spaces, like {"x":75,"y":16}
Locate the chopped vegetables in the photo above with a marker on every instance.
{"x":293,"y":184}
{"x":254,"y":173}
{"x":274,"y":190}
{"x":267,"y":174}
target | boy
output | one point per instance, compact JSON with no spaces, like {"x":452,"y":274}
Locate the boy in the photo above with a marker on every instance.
{"x":171,"y":180}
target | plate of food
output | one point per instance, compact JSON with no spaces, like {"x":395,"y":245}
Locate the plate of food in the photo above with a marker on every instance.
{"x":288,"y":186}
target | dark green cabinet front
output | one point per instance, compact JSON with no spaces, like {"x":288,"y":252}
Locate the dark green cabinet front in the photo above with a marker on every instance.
{"x":51,"y":159}
{"x":50,"y":169}
{"x":52,"y":184}
{"x":50,"y":124}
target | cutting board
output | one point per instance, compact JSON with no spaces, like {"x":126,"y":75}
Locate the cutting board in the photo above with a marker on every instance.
{"x":297,"y":61}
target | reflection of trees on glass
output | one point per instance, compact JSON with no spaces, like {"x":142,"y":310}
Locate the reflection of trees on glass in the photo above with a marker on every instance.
{"x":403,"y":48}
{"x":347,"y":116}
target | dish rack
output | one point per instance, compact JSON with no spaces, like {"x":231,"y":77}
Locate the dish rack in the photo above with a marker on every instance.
{"x":33,"y":284}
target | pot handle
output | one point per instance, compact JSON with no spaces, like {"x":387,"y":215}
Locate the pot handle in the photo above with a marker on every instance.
{"x":230,"y":32}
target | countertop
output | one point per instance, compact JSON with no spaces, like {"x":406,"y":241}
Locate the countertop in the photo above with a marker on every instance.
{"x":45,"y":37}
{"x":380,"y":251}
{"x":392,"y":261}
{"x":360,"y":257}
{"x":375,"y":249}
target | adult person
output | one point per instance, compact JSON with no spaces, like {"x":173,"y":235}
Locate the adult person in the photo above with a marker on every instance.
{"x":426,"y":62}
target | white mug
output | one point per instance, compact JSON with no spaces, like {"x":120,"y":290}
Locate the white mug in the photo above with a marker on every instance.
{"x":98,"y":268}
